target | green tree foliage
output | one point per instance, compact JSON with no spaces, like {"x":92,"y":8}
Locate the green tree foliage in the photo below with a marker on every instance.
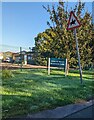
{"x":58,"y":42}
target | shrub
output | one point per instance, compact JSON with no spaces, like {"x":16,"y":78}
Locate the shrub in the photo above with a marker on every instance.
{"x":7,"y":73}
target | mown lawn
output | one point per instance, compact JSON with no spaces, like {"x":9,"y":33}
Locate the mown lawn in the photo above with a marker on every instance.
{"x":33,"y":90}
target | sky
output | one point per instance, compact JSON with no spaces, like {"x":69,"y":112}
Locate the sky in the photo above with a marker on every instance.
{"x":22,"y":21}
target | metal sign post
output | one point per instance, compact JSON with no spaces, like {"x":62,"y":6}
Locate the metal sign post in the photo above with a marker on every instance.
{"x":48,"y":66}
{"x":73,"y":23}
{"x":80,"y":70}
{"x":66,"y":67}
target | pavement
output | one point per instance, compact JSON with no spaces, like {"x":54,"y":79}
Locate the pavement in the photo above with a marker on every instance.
{"x":79,"y":110}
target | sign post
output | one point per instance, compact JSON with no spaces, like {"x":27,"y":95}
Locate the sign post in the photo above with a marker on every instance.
{"x":66,"y":68}
{"x":58,"y":63}
{"x":78,"y":55}
{"x":48,"y":66}
{"x":73,"y":23}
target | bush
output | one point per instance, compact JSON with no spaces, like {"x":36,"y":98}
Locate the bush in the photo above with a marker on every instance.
{"x":7,"y":73}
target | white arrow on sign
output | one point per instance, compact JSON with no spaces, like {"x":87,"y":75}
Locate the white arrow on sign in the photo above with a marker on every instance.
{"x":73,"y":21}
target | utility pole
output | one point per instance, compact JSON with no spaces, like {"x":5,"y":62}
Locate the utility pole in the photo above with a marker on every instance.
{"x":21,"y":58}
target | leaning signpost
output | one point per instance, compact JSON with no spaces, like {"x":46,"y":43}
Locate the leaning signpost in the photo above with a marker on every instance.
{"x":73,"y":23}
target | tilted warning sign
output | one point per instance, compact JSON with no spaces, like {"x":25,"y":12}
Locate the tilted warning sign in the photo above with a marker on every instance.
{"x":73,"y":22}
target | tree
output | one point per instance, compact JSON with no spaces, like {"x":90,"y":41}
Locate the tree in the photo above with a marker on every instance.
{"x":58,"y":42}
{"x":43,"y":43}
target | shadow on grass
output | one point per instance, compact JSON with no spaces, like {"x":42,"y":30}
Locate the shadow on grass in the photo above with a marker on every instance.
{"x":44,"y":92}
{"x":88,"y":72}
{"x":14,"y":105}
{"x":33,"y":79}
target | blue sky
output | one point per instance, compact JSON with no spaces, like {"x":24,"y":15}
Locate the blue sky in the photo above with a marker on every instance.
{"x":22,"y":21}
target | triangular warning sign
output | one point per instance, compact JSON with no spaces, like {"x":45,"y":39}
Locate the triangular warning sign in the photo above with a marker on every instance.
{"x":73,"y":21}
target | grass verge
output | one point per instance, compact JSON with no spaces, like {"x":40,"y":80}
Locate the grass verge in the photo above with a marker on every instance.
{"x":31,"y":91}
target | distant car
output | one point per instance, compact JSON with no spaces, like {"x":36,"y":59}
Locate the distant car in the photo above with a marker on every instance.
{"x":7,"y":60}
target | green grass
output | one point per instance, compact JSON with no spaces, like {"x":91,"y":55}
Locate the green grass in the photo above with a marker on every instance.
{"x":33,"y":90}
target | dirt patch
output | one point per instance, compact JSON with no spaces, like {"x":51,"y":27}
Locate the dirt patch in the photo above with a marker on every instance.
{"x":16,"y":66}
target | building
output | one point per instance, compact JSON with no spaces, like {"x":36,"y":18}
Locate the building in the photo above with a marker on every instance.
{"x":7,"y":56}
{"x":24,"y":56}
{"x":1,"y":56}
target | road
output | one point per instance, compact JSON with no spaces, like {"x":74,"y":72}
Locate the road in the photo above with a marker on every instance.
{"x":85,"y":113}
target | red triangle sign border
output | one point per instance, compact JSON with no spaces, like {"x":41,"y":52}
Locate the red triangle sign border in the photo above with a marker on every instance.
{"x":72,"y":13}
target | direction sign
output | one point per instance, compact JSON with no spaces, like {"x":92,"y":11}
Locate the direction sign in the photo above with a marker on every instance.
{"x":73,"y":22}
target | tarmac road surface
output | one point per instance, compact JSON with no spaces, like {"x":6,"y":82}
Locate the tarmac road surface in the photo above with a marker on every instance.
{"x":85,"y":113}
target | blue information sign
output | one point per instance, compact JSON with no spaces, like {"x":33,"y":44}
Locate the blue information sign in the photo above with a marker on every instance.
{"x":57,"y":62}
